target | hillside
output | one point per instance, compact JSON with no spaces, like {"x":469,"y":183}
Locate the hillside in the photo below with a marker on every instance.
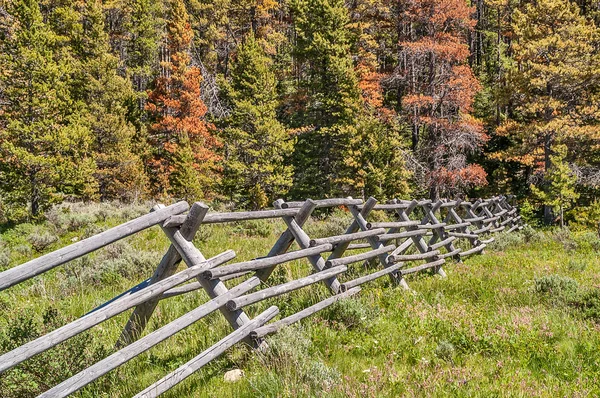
{"x":519,"y":320}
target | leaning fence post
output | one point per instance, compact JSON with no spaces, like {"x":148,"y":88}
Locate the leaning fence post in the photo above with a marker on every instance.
{"x":168,"y":265}
{"x":403,"y":215}
{"x":303,"y":241}
{"x":360,"y":222}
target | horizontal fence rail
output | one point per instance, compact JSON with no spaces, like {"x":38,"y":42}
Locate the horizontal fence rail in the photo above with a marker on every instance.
{"x":421,"y":231}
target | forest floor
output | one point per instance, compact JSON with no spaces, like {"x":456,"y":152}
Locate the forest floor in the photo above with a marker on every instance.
{"x":520,"y":320}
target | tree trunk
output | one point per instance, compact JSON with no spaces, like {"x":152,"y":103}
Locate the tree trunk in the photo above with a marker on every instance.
{"x":562,"y":222}
{"x":547,"y":165}
{"x":35,"y":198}
{"x":415,"y":135}
{"x":434,"y":193}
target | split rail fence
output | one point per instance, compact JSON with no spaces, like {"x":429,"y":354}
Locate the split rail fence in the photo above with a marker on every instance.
{"x":421,"y":237}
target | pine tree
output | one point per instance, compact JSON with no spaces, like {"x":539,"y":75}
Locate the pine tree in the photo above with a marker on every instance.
{"x":119,"y":171}
{"x":374,"y":162}
{"x":327,"y":97}
{"x":375,"y":157}
{"x":435,"y":91}
{"x":45,"y":144}
{"x":143,"y":25}
{"x":256,"y":143}
{"x":559,"y":191}
{"x":555,"y":80}
{"x":178,"y":127}
{"x":370,"y":26}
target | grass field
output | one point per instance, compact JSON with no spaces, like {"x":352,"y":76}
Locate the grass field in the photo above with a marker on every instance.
{"x":520,"y":320}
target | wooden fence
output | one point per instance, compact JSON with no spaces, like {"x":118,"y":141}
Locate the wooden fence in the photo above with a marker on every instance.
{"x":430,"y":235}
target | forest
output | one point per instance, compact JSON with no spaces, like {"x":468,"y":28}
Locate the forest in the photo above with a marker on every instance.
{"x":242,"y":102}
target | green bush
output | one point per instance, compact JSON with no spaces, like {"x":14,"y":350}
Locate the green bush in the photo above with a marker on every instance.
{"x":565,"y":237}
{"x":380,"y":216}
{"x":334,"y":223}
{"x":350,"y":313}
{"x":205,"y":232}
{"x":530,"y":234}
{"x":49,"y":368}
{"x":565,"y":290}
{"x":292,"y":364}
{"x":91,"y":230}
{"x":527,"y":213}
{"x":115,"y":261}
{"x":588,"y":302}
{"x":4,"y":260}
{"x":132,"y":211}
{"x":588,"y":241}
{"x":587,"y":217}
{"x":65,"y":220}
{"x":445,"y":351}
{"x":40,"y":239}
{"x":505,"y":241}
{"x":23,"y":249}
{"x":577,"y":264}
{"x":557,"y":287}
{"x":262,"y":228}
{"x":69,"y":217}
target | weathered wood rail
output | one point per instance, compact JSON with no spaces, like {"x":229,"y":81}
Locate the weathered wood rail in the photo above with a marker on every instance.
{"x":428,"y":237}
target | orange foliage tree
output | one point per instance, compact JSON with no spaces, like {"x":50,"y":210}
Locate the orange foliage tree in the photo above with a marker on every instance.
{"x":437,"y":90}
{"x":184,"y":162}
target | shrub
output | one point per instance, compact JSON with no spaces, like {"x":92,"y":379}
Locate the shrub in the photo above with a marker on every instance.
{"x":5,"y":303}
{"x":76,"y":221}
{"x":530,"y":234}
{"x":588,"y":302}
{"x":40,"y":239}
{"x":577,"y":264}
{"x":505,"y":240}
{"x":91,"y":230}
{"x":205,"y":232}
{"x":4,"y":260}
{"x":49,"y":368}
{"x":588,"y":241}
{"x":262,"y":228}
{"x":527,"y":213}
{"x":133,"y":264}
{"x":380,"y":216}
{"x":351,"y":313}
{"x":445,"y":351}
{"x":290,"y":358}
{"x":332,"y":224}
{"x":587,"y":217}
{"x":556,"y":286}
{"x":115,"y":261}
{"x":564,"y":237}
{"x":64,"y":219}
{"x":23,"y":249}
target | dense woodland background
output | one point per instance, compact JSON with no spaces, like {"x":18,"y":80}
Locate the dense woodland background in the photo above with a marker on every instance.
{"x":246,"y":101}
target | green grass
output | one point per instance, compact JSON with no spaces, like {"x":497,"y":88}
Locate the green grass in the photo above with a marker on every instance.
{"x":520,"y":320}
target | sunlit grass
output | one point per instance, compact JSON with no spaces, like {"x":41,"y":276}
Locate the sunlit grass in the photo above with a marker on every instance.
{"x":482,"y":331}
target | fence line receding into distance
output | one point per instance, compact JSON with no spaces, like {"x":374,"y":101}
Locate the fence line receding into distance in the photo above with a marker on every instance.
{"x":428,"y":237}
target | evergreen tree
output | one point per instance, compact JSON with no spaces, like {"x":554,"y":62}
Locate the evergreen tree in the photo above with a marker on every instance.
{"x":375,"y":157}
{"x":327,"y":96}
{"x":144,"y":27}
{"x":555,"y":80}
{"x":182,"y":141}
{"x":256,"y":143}
{"x":119,"y":172}
{"x":374,"y":162}
{"x":560,"y":192}
{"x":45,"y":143}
